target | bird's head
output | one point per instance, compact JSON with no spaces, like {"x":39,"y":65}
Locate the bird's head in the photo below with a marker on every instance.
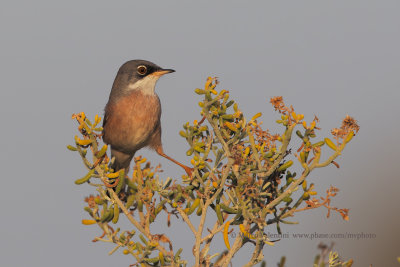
{"x":138,"y":75}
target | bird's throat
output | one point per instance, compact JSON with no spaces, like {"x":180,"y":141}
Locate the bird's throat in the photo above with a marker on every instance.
{"x":146,"y":85}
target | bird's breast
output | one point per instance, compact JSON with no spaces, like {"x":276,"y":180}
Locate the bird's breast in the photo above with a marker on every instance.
{"x":131,"y":121}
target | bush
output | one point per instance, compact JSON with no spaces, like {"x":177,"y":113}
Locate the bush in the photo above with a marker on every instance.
{"x":241,"y":172}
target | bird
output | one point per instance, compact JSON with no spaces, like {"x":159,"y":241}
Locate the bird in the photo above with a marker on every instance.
{"x":132,"y":115}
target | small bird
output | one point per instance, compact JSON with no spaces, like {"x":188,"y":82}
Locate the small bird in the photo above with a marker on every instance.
{"x":132,"y":114}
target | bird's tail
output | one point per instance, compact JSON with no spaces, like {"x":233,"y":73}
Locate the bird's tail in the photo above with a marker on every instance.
{"x":121,"y":161}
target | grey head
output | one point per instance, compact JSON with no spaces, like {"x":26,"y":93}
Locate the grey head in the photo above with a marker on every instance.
{"x":137,"y":75}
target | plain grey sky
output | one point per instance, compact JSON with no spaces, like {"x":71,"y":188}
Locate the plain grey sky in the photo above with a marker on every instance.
{"x":328,"y":58}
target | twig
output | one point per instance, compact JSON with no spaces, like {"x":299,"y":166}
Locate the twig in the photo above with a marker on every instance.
{"x":132,"y":220}
{"x":187,"y":220}
{"x":257,"y":254}
{"x":236,"y":246}
{"x":286,"y":140}
{"x":253,"y":147}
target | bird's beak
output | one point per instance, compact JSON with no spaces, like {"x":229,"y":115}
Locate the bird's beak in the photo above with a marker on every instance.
{"x":162,"y":72}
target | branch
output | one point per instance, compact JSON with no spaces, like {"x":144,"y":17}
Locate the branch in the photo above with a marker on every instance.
{"x":257,"y":254}
{"x":236,"y":246}
{"x":253,"y":147}
{"x":204,"y":210}
{"x":132,"y":220}
{"x":187,"y":220}
{"x":285,"y":142}
{"x":289,"y":191}
{"x":200,"y":232}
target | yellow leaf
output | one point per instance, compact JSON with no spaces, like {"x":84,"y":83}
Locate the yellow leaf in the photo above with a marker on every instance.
{"x":72,"y":148}
{"x":85,"y":178}
{"x":285,"y":165}
{"x":230,"y":126}
{"x":84,"y":142}
{"x":256,"y":116}
{"x":226,"y":238}
{"x":246,"y":151}
{"x":143,"y":160}
{"x":269,"y":243}
{"x":349,"y":137}
{"x":312,"y":125}
{"x":241,"y":227}
{"x":97,"y":119}
{"x":235,"y":107}
{"x":102,"y":151}
{"x":112,"y":175}
{"x":161,"y":257}
{"x":195,"y":204}
{"x":330,"y":143}
{"x":88,"y":222}
{"x":223,"y":91}
{"x":304,"y":185}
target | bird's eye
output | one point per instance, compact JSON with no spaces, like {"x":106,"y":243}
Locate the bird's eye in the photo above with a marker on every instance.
{"x":142,"y":70}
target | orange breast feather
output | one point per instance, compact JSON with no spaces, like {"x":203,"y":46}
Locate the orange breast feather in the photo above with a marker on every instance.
{"x":131,"y":121}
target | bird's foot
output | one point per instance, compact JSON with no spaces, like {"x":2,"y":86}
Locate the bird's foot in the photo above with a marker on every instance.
{"x":188,"y":170}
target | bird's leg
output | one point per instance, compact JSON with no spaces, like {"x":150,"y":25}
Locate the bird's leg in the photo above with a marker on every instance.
{"x":187,"y":169}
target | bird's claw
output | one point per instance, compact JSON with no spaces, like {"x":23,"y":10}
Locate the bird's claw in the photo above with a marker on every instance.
{"x":188,"y":170}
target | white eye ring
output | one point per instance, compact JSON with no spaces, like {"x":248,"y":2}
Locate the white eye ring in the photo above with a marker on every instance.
{"x":142,"y":69}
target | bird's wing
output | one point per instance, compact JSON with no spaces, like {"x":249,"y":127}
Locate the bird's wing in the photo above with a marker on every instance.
{"x":105,"y":122}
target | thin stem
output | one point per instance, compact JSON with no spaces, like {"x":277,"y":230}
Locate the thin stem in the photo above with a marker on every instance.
{"x":253,"y":147}
{"x":236,"y":246}
{"x":187,"y":220}
{"x":199,"y":232}
{"x":286,"y":140}
{"x":204,"y":211}
{"x":217,"y":133}
{"x":114,"y":249}
{"x":289,"y":191}
{"x":214,"y":231}
{"x":257,"y":254}
{"x":132,"y":220}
